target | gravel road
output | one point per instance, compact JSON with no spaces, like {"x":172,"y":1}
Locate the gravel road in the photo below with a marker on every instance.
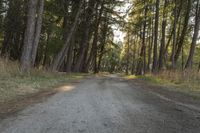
{"x":104,"y":105}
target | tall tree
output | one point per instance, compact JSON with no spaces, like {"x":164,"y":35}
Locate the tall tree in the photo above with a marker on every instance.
{"x":155,"y":48}
{"x":87,"y":25}
{"x":174,"y":35}
{"x":184,"y":30}
{"x":59,"y":59}
{"x":195,"y":36}
{"x":29,"y":36}
{"x":141,"y":67}
{"x":164,"y":24}
{"x":37,"y":31}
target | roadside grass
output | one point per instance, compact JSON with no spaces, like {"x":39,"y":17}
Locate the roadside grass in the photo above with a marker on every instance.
{"x":187,"y":82}
{"x":14,"y":85}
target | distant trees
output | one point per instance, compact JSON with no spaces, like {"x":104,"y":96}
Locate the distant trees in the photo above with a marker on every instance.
{"x":12,"y":28}
{"x":167,"y":31}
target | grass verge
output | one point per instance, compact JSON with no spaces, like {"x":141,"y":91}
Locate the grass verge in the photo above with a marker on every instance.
{"x":184,"y":82}
{"x":17,"y":89}
{"x":17,"y":86}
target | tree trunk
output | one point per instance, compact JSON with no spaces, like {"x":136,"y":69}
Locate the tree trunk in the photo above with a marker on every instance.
{"x":96,"y":47}
{"x":25,"y":64}
{"x":177,"y":16}
{"x":93,"y":53}
{"x":70,"y":57}
{"x":101,"y":55}
{"x":174,"y":36}
{"x":155,"y":48}
{"x":134,"y":57}
{"x":59,"y":59}
{"x":6,"y":45}
{"x":128,"y":52}
{"x":37,"y":31}
{"x":164,"y":24}
{"x":194,"y":39}
{"x":87,"y":22}
{"x":141,"y":68}
{"x":103,"y":41}
{"x":151,"y":39}
{"x":184,"y":31}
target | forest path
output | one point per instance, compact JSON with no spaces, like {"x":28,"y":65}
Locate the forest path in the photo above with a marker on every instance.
{"x":107,"y":104}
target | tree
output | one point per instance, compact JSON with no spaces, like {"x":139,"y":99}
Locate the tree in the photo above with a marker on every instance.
{"x":155,"y":54}
{"x":195,"y":36}
{"x":164,"y":25}
{"x":141,"y":67}
{"x":174,"y":35}
{"x":29,"y":37}
{"x":13,"y":28}
{"x":184,"y":30}
{"x":37,"y":31}
{"x":59,"y":59}
{"x":87,"y":26}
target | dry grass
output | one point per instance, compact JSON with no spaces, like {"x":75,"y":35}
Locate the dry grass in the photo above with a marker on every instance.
{"x":183,"y":81}
{"x":14,"y":85}
{"x":8,"y":68}
{"x":189,"y":76}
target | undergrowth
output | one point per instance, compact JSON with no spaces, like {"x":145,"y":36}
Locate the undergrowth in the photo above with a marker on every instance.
{"x":14,"y":85}
{"x":183,"y":81}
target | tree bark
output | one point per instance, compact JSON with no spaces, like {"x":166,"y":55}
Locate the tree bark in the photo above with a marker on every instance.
{"x":174,"y":35}
{"x":141,"y":67}
{"x":162,"y":47}
{"x":59,"y":59}
{"x":37,"y":31}
{"x":134,"y":57}
{"x":184,"y":31}
{"x":155,"y":48}
{"x":194,"y":39}
{"x":151,"y":39}
{"x":25,"y":63}
{"x":70,"y":57}
{"x":178,"y":12}
{"x":103,"y":42}
{"x":87,"y":22}
{"x":128,"y":52}
{"x":93,"y":53}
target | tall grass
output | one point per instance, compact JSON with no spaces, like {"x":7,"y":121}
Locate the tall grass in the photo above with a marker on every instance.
{"x":178,"y":76}
{"x":8,"y":68}
{"x":13,"y":84}
{"x":187,"y":81}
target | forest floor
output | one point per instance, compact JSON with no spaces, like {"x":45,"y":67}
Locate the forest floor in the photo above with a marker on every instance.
{"x":108,"y":104}
{"x":18,"y":91}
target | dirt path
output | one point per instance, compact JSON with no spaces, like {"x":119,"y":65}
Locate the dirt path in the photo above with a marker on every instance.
{"x":105,"y":105}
